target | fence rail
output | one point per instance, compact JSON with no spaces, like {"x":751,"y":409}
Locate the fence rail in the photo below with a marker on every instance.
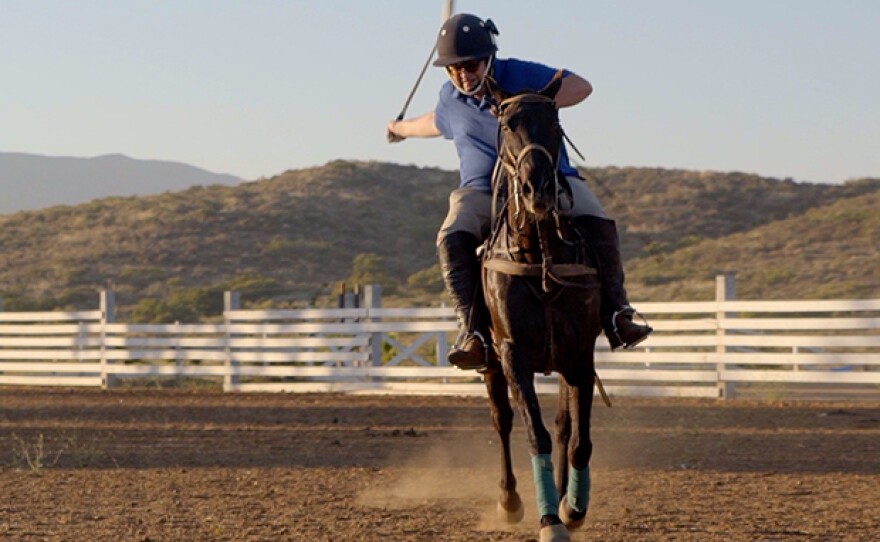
{"x":699,"y":349}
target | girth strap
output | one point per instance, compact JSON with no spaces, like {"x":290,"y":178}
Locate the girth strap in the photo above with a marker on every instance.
{"x":536,"y":270}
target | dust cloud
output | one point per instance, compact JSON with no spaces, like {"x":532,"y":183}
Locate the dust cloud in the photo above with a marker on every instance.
{"x":458,"y":467}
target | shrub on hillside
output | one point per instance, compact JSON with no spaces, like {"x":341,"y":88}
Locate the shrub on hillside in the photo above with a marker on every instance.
{"x":368,"y":268}
{"x":428,"y":280}
{"x":207,"y":301}
{"x":156,"y":311}
{"x":254,"y":287}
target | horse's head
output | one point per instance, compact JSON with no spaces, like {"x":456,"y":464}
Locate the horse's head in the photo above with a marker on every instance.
{"x":530,"y":145}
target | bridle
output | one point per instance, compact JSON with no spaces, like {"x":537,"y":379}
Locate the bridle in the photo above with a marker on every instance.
{"x":512,"y":162}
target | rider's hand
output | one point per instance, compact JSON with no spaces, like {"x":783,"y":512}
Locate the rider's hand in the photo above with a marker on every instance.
{"x":390,"y":135}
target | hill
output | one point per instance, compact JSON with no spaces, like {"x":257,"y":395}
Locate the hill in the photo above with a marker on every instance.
{"x":287,"y":240}
{"x":32,"y":181}
{"x":830,"y":251}
{"x":660,"y":210}
{"x":291,"y":237}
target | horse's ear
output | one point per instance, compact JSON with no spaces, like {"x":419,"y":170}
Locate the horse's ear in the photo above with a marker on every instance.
{"x":553,"y":86}
{"x":495,"y":90}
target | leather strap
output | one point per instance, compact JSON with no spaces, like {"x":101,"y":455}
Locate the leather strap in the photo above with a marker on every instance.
{"x":536,"y":269}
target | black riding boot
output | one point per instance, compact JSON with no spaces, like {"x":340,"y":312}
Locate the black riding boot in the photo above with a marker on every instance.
{"x":617,"y":314}
{"x":457,"y":253}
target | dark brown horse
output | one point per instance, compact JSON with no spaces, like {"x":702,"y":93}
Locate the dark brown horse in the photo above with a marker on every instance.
{"x":542,"y":292}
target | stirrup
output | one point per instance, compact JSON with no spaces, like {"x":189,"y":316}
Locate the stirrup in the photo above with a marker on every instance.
{"x":481,"y":367}
{"x":633,"y":312}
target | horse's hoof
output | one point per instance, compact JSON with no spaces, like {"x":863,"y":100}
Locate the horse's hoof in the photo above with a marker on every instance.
{"x":555,"y":533}
{"x":571,"y":517}
{"x":511,"y":516}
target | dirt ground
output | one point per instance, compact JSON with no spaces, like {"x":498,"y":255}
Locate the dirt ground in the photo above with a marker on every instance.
{"x":150,"y":465}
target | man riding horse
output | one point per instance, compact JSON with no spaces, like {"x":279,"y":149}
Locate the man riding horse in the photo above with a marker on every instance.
{"x":466,"y":49}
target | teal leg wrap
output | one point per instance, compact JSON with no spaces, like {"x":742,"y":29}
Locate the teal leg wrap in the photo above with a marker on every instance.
{"x":545,"y":488}
{"x":578,"y":492}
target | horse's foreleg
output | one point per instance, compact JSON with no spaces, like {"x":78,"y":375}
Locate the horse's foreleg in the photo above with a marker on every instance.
{"x":563,"y":435}
{"x":521,"y":380}
{"x":510,"y":507}
{"x":573,"y":509}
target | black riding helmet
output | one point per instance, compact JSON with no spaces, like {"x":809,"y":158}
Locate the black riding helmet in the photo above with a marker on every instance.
{"x":465,"y":37}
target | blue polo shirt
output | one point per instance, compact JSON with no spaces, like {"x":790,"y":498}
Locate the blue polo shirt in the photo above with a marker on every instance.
{"x":470,"y":124}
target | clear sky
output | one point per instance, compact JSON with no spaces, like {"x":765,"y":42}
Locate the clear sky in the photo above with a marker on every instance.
{"x":783,"y":88}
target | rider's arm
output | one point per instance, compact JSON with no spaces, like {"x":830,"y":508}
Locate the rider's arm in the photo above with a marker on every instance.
{"x":416,"y":127}
{"x":574,"y":90}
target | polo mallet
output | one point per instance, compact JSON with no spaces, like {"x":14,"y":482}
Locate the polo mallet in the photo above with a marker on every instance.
{"x":448,"y":6}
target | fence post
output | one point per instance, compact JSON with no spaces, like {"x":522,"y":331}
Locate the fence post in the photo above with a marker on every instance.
{"x":725,"y":290}
{"x":442,"y":350}
{"x":373,"y":300}
{"x":108,"y":316}
{"x":231,"y":379}
{"x":347,"y":300}
{"x":178,"y":360}
{"x":350,"y":300}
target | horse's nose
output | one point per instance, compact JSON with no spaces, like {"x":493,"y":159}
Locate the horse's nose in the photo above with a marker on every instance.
{"x":535,"y":182}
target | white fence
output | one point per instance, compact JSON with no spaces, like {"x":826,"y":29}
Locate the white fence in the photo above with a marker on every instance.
{"x":699,"y":349}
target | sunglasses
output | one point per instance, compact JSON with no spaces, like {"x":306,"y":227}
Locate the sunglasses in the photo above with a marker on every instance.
{"x":470,"y":66}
